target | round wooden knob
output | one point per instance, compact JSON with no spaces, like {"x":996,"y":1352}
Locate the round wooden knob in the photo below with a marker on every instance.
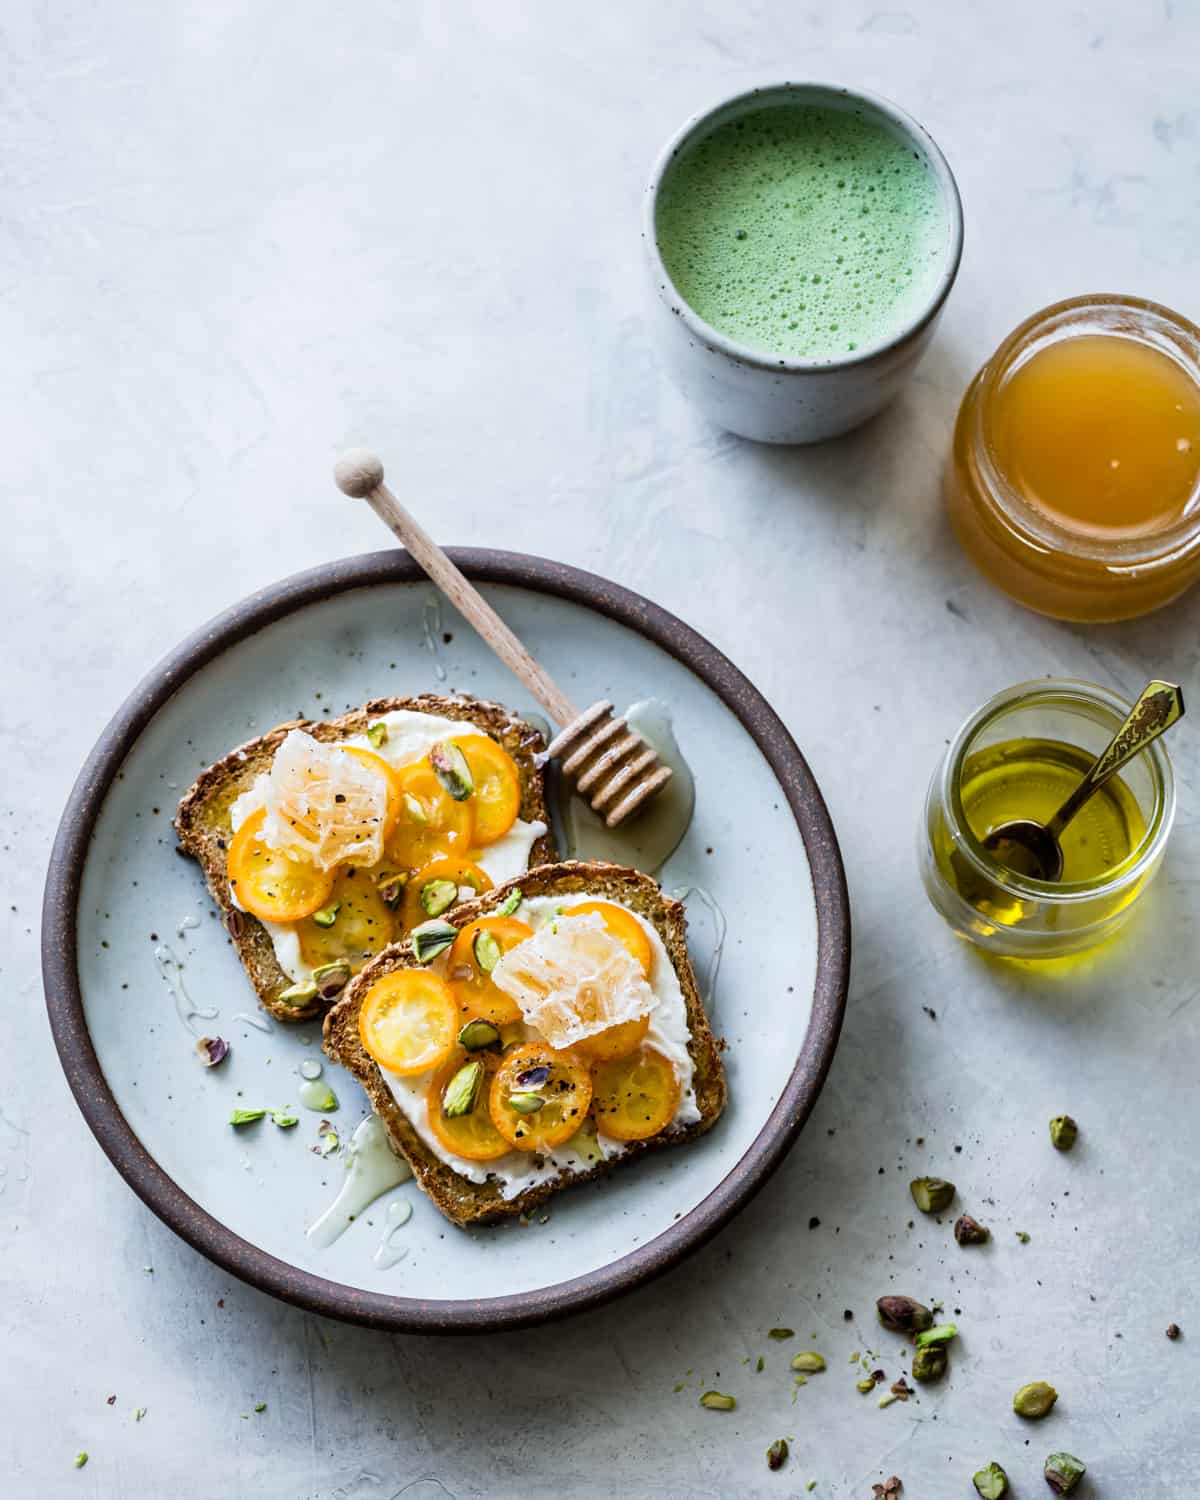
{"x":358,"y":472}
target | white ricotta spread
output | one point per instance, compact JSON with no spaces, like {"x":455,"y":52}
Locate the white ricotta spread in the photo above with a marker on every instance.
{"x":668,"y":1034}
{"x":410,"y":735}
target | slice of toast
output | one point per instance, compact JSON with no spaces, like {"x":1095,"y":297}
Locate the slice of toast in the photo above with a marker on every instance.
{"x":459,"y":1198}
{"x":204,"y":829}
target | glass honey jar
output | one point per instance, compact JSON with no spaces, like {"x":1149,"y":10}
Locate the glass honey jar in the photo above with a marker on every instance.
{"x":1074,"y":477}
{"x":1019,"y":756}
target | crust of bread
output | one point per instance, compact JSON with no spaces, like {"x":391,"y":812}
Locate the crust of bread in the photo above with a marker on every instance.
{"x":467,"y":1202}
{"x":203,"y":820}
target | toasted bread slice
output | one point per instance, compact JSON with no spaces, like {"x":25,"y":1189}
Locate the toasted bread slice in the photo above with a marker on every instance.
{"x":203,"y":820}
{"x":459,"y":1198}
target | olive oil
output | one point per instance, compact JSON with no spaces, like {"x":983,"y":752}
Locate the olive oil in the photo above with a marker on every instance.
{"x":1032,"y":778}
{"x":1019,"y":757}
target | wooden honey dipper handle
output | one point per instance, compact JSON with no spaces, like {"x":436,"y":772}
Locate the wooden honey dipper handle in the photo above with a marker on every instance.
{"x":360,"y":475}
{"x":612,"y":766}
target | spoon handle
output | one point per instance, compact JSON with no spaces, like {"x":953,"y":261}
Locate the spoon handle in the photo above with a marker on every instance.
{"x":1159,"y":706}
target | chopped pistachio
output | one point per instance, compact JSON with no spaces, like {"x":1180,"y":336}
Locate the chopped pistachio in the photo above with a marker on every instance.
{"x":299,"y":994}
{"x":969,"y":1231}
{"x":327,"y":1142}
{"x":759,"y":1366}
{"x":526,"y":1103}
{"x":377,"y":735}
{"x":1023,"y":1237}
{"x":391,"y":889}
{"x":777,"y":1454}
{"x":327,"y":915}
{"x":809,"y":1361}
{"x":854,"y":1358}
{"x":716,"y":1401}
{"x":415,"y":809}
{"x":212,"y":1050}
{"x":903,"y":1314}
{"x":138,"y":1413}
{"x":929,"y":1364}
{"x":1063,"y":1472}
{"x":781,"y":1333}
{"x":438,"y":896}
{"x":888,"y":1400}
{"x":941,"y":1334}
{"x":487,"y":950}
{"x":432,"y":938}
{"x":478,"y":1034}
{"x":331,"y":979}
{"x":991,"y":1483}
{"x":80,"y":1460}
{"x":461,"y":1093}
{"x":1035,"y":1399}
{"x":281,"y":1118}
{"x":931,"y":1194}
{"x":1063,"y":1132}
{"x":865,"y":1386}
{"x":260,"y":1406}
{"x":246,"y":1116}
{"x":452,"y":770}
{"x":510,"y":903}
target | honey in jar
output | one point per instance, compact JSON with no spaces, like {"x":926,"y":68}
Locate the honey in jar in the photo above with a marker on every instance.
{"x":1074,"y":482}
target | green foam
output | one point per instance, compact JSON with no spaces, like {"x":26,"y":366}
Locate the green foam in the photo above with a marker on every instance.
{"x":809,"y":232}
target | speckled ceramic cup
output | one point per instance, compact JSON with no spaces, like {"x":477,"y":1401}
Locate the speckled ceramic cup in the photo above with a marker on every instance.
{"x":762,"y":395}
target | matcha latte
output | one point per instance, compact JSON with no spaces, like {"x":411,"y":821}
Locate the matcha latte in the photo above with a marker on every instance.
{"x":806,"y":231}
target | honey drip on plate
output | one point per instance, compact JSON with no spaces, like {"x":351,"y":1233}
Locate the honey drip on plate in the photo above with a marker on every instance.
{"x":372,"y":1168}
{"x":651,"y":836}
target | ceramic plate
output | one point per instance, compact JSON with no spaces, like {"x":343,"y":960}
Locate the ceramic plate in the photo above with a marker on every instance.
{"x":118,"y":894}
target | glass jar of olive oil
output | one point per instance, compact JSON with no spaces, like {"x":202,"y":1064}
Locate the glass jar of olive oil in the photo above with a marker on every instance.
{"x":1019,"y":756}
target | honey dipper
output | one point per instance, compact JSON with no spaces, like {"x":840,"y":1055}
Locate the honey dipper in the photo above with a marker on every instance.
{"x":612,"y":767}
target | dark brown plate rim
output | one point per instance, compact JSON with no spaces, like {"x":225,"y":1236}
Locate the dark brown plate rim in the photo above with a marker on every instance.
{"x":64,"y":1000}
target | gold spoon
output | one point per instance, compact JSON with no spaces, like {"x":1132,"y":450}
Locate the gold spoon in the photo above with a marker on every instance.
{"x":1033,"y":849}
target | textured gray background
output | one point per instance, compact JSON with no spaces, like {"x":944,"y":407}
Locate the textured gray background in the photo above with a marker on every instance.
{"x":238,"y":236}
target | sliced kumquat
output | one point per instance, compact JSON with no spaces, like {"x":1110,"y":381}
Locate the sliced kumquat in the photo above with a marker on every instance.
{"x":472,"y":1135}
{"x":468,"y":968}
{"x":377,"y":763}
{"x":623,"y":925}
{"x":271,"y":885}
{"x":635,"y":1097}
{"x":361,"y":926}
{"x":615,"y":1041}
{"x":427,"y":893}
{"x":408,"y":1021}
{"x":497,"y":796}
{"x":539,"y":1097}
{"x":430,"y":824}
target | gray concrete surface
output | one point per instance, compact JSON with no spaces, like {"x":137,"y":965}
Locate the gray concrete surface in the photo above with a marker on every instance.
{"x":239,"y":236}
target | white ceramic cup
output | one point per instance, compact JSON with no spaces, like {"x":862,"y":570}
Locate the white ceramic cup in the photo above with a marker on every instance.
{"x":758,"y":394}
